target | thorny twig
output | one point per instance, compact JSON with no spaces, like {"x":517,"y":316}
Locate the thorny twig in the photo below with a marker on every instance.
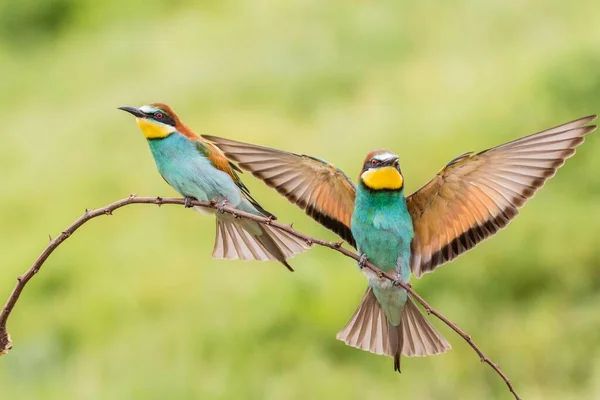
{"x":5,"y":340}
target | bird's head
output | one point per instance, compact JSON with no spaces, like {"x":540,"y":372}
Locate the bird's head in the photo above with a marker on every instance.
{"x":381,"y":171}
{"x":156,"y":120}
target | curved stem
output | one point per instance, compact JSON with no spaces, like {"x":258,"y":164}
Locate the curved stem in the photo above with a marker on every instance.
{"x":22,"y":280}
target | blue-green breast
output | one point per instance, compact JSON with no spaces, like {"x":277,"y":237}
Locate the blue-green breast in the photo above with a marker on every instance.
{"x":190,"y":173}
{"x":383,"y":231}
{"x":383,"y":227}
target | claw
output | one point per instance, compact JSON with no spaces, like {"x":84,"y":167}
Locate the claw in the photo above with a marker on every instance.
{"x":187,"y":202}
{"x":221,"y":206}
{"x":363,"y":261}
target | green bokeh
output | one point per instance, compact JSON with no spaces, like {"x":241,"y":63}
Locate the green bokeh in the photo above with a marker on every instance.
{"x":133,"y":307}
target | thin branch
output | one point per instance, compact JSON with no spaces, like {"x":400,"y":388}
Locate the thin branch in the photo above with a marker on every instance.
{"x":22,"y":280}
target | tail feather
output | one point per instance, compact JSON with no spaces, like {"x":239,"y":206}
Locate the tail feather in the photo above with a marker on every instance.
{"x":421,"y":338}
{"x":249,"y":240}
{"x":396,"y":338}
{"x":286,"y":244}
{"x":369,"y":330}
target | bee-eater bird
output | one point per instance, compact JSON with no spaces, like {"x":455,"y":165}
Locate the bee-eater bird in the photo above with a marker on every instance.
{"x":470,"y":199}
{"x":198,"y":170}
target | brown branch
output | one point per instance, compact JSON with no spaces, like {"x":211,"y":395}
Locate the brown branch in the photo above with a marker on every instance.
{"x":5,"y":340}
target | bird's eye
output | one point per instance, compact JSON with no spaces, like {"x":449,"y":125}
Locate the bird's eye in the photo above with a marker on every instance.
{"x":158,"y":115}
{"x":396,"y":164}
{"x":374,"y":162}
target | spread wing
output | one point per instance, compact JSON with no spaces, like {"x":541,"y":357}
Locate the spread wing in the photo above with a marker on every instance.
{"x":220,"y":161}
{"x":475,"y":195}
{"x":324,"y":192}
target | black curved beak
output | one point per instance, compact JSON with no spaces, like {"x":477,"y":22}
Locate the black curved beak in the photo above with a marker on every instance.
{"x":133,"y":111}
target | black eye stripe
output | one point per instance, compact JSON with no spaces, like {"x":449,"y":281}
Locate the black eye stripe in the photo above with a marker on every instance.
{"x":375,"y":163}
{"x":162,"y":117}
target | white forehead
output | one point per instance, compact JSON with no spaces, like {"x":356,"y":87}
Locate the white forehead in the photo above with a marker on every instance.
{"x":384,"y":156}
{"x":147,"y":109}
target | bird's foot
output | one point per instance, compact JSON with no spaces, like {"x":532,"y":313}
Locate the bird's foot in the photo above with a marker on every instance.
{"x":399,"y":282}
{"x":363,"y":261}
{"x":221,"y":206}
{"x":187,"y":202}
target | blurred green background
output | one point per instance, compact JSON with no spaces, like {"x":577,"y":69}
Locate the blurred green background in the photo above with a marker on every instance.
{"x":133,"y":307}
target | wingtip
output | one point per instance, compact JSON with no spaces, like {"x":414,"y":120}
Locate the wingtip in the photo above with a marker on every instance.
{"x":585,"y":130}
{"x":586,"y":120}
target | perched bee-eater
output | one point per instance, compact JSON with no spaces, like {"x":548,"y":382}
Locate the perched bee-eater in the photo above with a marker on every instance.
{"x":198,"y":170}
{"x":470,"y":199}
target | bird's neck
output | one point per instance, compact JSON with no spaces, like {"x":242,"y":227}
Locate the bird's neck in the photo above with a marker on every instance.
{"x":380,"y":199}
{"x":171,"y":146}
{"x":387,"y":207}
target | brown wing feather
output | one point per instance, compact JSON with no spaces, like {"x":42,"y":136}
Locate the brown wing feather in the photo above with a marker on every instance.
{"x":323,"y":191}
{"x":474,"y":196}
{"x":221,"y":162}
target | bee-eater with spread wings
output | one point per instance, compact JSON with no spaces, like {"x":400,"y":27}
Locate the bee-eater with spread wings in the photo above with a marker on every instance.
{"x":470,"y":199}
{"x":198,"y":170}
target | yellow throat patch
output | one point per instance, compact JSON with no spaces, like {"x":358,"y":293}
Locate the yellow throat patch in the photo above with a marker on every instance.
{"x":382,"y":178}
{"x":154,"y":130}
